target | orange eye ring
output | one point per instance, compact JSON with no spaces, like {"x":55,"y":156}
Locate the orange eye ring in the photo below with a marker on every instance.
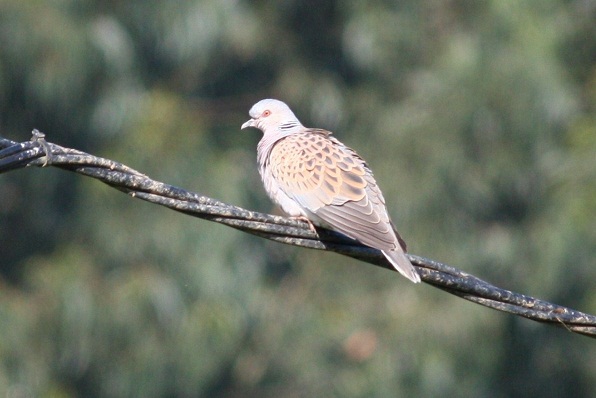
{"x":266,"y":113}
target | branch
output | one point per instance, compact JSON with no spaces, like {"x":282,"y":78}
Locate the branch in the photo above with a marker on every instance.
{"x":40,"y":153}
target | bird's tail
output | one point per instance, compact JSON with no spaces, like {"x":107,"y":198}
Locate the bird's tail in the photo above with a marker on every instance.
{"x":400,"y":262}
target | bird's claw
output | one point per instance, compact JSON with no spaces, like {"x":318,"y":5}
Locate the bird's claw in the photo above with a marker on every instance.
{"x":311,"y":226}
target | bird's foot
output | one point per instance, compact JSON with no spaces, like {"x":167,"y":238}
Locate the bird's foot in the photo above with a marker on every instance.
{"x":311,"y":226}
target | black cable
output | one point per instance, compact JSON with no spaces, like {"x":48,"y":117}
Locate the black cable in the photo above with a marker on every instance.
{"x":40,"y":153}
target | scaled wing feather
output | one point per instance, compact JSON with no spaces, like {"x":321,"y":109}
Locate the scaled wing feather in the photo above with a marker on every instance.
{"x":332,"y":182}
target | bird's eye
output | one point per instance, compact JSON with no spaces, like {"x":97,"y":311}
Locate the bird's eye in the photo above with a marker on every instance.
{"x":266,"y":113}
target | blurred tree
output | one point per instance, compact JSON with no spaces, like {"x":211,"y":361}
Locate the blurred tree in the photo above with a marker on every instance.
{"x":477,"y":117}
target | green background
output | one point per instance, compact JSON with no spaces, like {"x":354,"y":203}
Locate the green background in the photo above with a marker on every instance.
{"x":478,"y":118}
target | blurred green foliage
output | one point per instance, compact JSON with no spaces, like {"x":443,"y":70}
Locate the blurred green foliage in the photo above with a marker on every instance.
{"x":479,"y":119}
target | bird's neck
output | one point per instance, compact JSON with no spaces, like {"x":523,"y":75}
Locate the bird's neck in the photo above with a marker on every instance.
{"x":271,"y":137}
{"x":266,"y":145}
{"x":289,"y":126}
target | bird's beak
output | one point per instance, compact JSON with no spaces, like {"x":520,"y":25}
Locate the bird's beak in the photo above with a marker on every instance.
{"x":248,"y":123}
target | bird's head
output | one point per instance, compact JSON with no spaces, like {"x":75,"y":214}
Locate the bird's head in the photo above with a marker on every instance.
{"x":271,"y":116}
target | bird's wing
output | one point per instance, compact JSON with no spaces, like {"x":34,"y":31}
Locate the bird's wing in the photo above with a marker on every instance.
{"x":332,"y":182}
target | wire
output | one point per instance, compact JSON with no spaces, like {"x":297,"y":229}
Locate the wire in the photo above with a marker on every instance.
{"x":38,"y":152}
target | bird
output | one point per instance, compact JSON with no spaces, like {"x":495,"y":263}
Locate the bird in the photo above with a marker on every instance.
{"x":312,"y":175}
